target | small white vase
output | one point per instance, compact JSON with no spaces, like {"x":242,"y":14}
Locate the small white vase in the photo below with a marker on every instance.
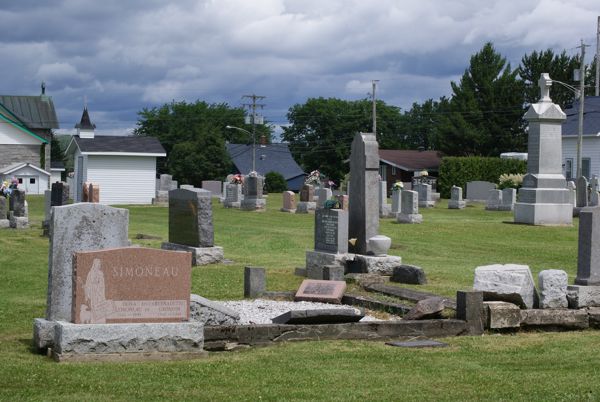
{"x":379,"y":245}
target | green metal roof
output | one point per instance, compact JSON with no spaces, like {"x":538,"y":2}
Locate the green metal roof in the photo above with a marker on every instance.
{"x":35,"y":112}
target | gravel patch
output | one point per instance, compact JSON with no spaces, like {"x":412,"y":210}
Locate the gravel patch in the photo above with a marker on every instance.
{"x":261,"y":311}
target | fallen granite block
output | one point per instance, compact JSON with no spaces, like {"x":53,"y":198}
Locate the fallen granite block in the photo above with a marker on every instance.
{"x":381,"y":265}
{"x":501,"y":315}
{"x":407,"y":294}
{"x":580,"y":296}
{"x":553,"y":288}
{"x":209,"y":312}
{"x":74,"y":341}
{"x":569,"y":319}
{"x":324,"y":316}
{"x":594,"y":316}
{"x":426,"y":309}
{"x":409,"y":274}
{"x":510,"y":283}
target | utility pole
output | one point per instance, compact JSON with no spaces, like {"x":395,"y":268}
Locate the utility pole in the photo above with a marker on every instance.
{"x":253,"y":107}
{"x":597,"y":93}
{"x":374,"y":83}
{"x":581,"y":102}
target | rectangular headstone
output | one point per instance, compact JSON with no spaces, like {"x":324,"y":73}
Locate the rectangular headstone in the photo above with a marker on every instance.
{"x":494,"y":200}
{"x":509,"y":198}
{"x":214,"y":186}
{"x":166,"y":182}
{"x":588,"y":255}
{"x":410,"y":202}
{"x":190,"y":218}
{"x":253,"y":186}
{"x":47,"y":206}
{"x":94,"y":193}
{"x":323,"y":194}
{"x":233,"y":192}
{"x":307,"y":193}
{"x":85,"y":192}
{"x":343,"y":201}
{"x":255,"y":282}
{"x":60,"y":194}
{"x":364,"y":198}
{"x":396,"y":201}
{"x":331,"y":230}
{"x":78,"y":227}
{"x":17,"y":198}
{"x":321,"y":291}
{"x":131,"y":284}
{"x":289,"y":201}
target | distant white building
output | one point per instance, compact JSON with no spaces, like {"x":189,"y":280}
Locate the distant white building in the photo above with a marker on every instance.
{"x":590,"y":150}
{"x":123,"y":166}
{"x":31,"y":178}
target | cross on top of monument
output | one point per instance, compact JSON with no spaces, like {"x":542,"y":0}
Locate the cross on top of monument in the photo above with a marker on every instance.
{"x":545,"y":83}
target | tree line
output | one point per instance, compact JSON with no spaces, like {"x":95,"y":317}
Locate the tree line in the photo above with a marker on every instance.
{"x":483,"y":116}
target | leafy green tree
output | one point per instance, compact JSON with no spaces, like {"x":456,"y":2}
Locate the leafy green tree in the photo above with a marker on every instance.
{"x":322,"y":130}
{"x":420,"y":122}
{"x":484,"y":115}
{"x":194,"y":136}
{"x":275,"y":182}
{"x":559,"y":66}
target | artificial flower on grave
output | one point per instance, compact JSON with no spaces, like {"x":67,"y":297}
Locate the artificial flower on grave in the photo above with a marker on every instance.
{"x":397,"y":186}
{"x":313,"y":178}
{"x":424,"y":173}
{"x":237,"y":179}
{"x":331,"y":184}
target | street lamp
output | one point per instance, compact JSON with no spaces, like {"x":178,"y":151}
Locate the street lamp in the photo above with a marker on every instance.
{"x":579,"y":93}
{"x":253,"y":144}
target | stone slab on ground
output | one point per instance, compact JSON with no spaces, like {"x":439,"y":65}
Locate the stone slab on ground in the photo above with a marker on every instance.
{"x":374,"y":265}
{"x":328,"y":316}
{"x":374,"y":304}
{"x":200,"y":255}
{"x":583,"y":296}
{"x":431,"y":307}
{"x":420,"y":343}
{"x":409,"y":274}
{"x":216,"y":338}
{"x":209,"y":312}
{"x":501,"y":315}
{"x":510,"y":282}
{"x":321,"y":291}
{"x":556,"y":318}
{"x":407,"y":294}
{"x":73,"y":340}
{"x":594,"y":316}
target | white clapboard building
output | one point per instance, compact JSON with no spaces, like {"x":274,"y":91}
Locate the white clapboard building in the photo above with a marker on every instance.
{"x":124,"y":167}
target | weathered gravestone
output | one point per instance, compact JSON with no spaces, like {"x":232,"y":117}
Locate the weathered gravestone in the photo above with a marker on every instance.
{"x":456,"y":199}
{"x":85,"y":192}
{"x":60,"y":194}
{"x":255,"y":282}
{"x":385,"y":210}
{"x":233,"y":195}
{"x":191,"y":226}
{"x":214,"y":186}
{"x":479,"y":190}
{"x":131,"y":284}
{"x":323,"y":195}
{"x":572,"y":193}
{"x":94,"y":193}
{"x":409,"y":210}
{"x":76,"y":227}
{"x":343,"y":201}
{"x":253,"y":194}
{"x":289,"y":202}
{"x":396,"y":202}
{"x":553,"y":288}
{"x":18,"y":214}
{"x":364,"y":197}
{"x":424,"y":192}
{"x":306,"y":204}
{"x":164,"y":184}
{"x":331,"y":242}
{"x":509,"y":198}
{"x":544,"y":198}
{"x":4,"y":222}
{"x":494,"y":200}
{"x":510,"y":283}
{"x":588,"y":255}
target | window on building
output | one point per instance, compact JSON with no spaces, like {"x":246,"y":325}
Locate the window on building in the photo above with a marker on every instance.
{"x":585,"y":168}
{"x":569,"y":168}
{"x":20,"y":180}
{"x":32,"y":180}
{"x":383,"y":171}
{"x":393,"y":170}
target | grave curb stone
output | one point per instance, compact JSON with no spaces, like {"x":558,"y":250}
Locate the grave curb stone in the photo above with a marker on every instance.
{"x":572,"y":319}
{"x":320,"y":316}
{"x":209,"y":312}
{"x":580,"y":296}
{"x":501,"y":315}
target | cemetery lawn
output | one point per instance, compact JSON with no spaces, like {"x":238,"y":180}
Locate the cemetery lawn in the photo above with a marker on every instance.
{"x":449,"y":245}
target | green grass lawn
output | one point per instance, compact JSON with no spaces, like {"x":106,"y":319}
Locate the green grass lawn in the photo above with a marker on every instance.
{"x":449,"y":245}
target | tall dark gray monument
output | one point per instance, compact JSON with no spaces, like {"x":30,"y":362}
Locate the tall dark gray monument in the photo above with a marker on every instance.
{"x":364,"y":196}
{"x":588,"y":255}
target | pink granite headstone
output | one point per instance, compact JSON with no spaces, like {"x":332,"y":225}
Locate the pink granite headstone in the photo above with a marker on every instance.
{"x":289,"y":201}
{"x":321,"y":291}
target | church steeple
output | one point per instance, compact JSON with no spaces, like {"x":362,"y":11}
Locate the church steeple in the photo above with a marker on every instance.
{"x":85,"y":128}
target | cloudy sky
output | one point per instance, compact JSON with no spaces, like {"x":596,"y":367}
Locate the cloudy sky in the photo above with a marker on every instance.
{"x":123,"y":56}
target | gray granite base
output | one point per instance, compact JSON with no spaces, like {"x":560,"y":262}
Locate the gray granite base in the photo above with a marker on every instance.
{"x":306,"y":207}
{"x":375,"y":265}
{"x":409,"y":218}
{"x":452,"y":204}
{"x":316,"y":260}
{"x":426,"y":204}
{"x":544,"y":214}
{"x":19,"y":222}
{"x":232,"y":204}
{"x":291,"y":211}
{"x":580,"y":296}
{"x":200,"y":255}
{"x":43,"y":334}
{"x":77,"y":340}
{"x":385,"y":211}
{"x":4,"y":223}
{"x":254,"y":204}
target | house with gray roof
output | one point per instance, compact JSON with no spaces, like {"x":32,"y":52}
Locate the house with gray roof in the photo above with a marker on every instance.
{"x":123,"y":166}
{"x":590,"y":150}
{"x":26,"y":124}
{"x":269,"y":158}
